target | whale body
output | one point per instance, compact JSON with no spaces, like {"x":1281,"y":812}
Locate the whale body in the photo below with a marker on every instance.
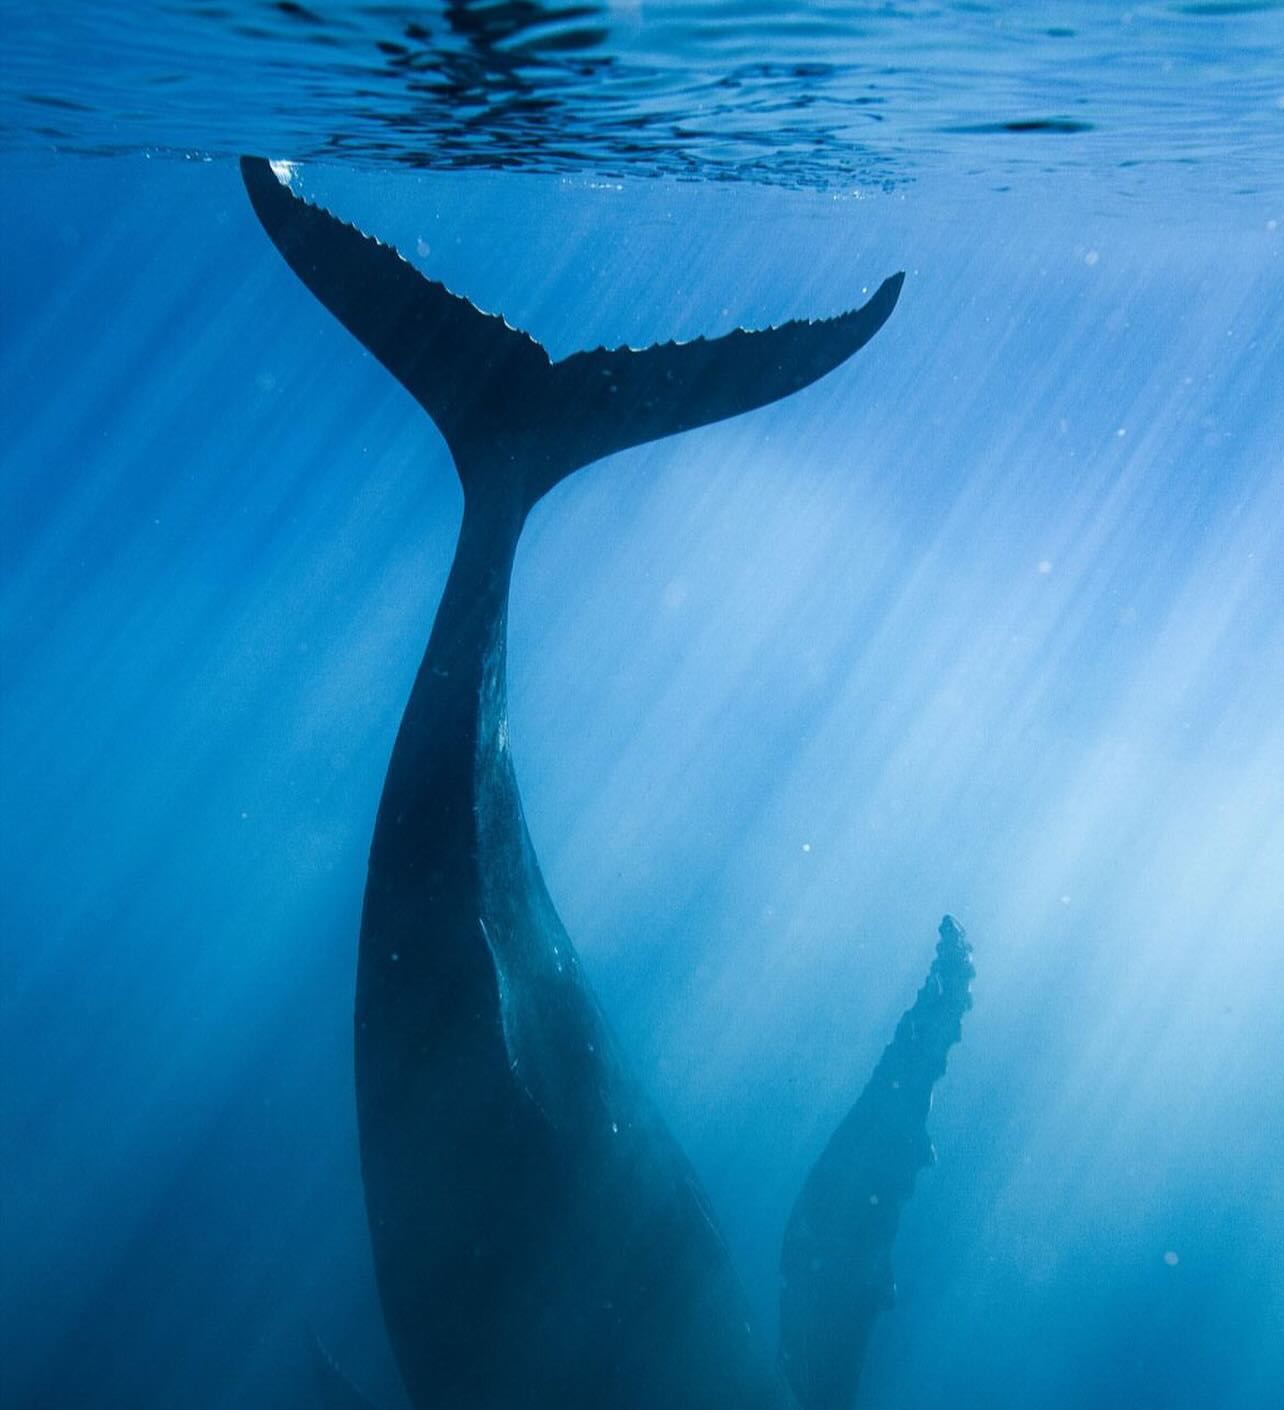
{"x":540,"y":1241}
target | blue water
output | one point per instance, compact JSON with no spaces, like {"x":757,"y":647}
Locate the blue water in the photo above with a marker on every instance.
{"x":988,"y":621}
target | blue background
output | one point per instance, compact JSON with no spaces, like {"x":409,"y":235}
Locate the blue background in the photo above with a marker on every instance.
{"x":988,"y":622}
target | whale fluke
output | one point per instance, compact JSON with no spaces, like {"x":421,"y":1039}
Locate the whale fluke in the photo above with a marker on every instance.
{"x":507,"y":411}
{"x":836,"y":1272}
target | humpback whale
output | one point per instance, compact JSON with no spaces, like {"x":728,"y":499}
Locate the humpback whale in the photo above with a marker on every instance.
{"x":540,"y":1241}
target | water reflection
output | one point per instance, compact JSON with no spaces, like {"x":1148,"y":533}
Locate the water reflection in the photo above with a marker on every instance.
{"x":838,"y":95}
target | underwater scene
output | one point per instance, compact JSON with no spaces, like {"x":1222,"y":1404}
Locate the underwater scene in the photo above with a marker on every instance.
{"x":641,"y":705}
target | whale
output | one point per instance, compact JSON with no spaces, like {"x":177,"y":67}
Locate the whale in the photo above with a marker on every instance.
{"x":540,"y":1241}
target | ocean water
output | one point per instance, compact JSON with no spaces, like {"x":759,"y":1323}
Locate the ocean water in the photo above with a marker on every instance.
{"x":988,"y":621}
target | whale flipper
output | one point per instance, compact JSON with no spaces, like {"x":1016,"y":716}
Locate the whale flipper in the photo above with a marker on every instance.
{"x":836,"y":1272}
{"x":502,"y":404}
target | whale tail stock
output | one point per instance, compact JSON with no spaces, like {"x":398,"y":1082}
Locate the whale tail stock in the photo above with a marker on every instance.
{"x":513,"y":418}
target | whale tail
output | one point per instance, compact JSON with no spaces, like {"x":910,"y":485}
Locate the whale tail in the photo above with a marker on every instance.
{"x":513,"y":418}
{"x":517,"y":423}
{"x":836,"y":1271}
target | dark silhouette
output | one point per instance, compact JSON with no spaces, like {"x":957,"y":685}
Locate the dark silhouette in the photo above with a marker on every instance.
{"x":540,"y":1241}
{"x":836,"y":1262}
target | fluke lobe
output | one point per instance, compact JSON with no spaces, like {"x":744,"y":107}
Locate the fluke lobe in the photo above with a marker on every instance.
{"x":540,"y":1241}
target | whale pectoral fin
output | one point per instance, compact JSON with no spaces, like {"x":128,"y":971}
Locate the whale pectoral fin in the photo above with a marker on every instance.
{"x":836,"y":1272}
{"x":335,"y":1390}
{"x":626,"y":396}
{"x":449,"y":355}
